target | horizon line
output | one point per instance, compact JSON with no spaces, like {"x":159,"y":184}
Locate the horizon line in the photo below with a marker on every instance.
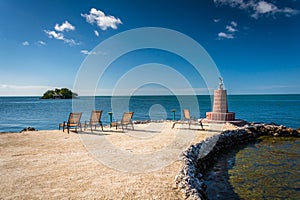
{"x":162,"y":95}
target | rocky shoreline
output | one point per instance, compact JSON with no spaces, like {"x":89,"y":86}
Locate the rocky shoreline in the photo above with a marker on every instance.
{"x":197,"y":158}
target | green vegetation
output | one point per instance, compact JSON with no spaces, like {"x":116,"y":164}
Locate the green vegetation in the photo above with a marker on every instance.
{"x":63,"y":93}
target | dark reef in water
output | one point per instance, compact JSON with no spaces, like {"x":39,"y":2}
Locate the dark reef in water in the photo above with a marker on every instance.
{"x":28,"y":129}
{"x":197,"y":158}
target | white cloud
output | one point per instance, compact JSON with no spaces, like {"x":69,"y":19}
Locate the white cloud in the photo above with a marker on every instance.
{"x":60,"y":36}
{"x":274,"y":87}
{"x":53,"y":34}
{"x":230,"y":29}
{"x":86,"y":52}
{"x":4,"y":86}
{"x":264,"y":7}
{"x":233,"y":23}
{"x":71,"y":42}
{"x":96,"y":33}
{"x":103,"y":21}
{"x":232,"y":3}
{"x":41,"y":43}
{"x":257,"y":8}
{"x":25,"y":43}
{"x":217,"y":20}
{"x":66,"y":26}
{"x":223,"y":35}
{"x":290,"y":12}
{"x":57,"y":34}
{"x":23,"y":90}
{"x":147,"y":91}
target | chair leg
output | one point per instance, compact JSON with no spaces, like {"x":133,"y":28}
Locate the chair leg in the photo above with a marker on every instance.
{"x":85,"y":125}
{"x":201,"y":125}
{"x":173,"y":125}
{"x":101,"y":126}
{"x":64,"y":124}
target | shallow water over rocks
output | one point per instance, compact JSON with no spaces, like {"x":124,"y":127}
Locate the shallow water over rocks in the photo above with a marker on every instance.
{"x":266,"y":169}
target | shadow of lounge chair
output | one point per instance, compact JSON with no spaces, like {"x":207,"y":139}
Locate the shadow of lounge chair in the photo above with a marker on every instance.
{"x":73,"y":122}
{"x":188,"y":120}
{"x":95,"y":120}
{"x":125,"y":121}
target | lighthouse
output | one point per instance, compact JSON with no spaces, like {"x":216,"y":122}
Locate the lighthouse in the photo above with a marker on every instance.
{"x":220,"y":107}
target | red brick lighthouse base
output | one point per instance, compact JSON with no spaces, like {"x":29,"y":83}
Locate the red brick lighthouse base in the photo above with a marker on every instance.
{"x":220,"y":107}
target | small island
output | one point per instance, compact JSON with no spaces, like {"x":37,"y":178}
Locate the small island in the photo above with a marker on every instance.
{"x":63,"y":93}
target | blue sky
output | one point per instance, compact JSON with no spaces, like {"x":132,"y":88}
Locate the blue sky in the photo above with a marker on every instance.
{"x":254,"y":43}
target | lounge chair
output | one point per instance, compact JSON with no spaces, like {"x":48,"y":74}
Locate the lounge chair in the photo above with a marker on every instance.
{"x":125,"y":121}
{"x":188,"y":120}
{"x":95,"y":120}
{"x":73,"y":122}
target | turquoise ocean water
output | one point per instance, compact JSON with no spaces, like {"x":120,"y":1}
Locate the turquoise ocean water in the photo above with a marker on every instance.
{"x":17,"y":113}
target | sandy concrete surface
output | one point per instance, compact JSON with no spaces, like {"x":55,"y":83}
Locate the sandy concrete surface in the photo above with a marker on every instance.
{"x":135,"y":164}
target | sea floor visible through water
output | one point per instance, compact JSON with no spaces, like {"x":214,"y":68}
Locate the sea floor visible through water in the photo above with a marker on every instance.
{"x":266,"y":169}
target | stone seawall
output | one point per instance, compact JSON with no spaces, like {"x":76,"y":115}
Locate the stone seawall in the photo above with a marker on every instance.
{"x":197,"y":158}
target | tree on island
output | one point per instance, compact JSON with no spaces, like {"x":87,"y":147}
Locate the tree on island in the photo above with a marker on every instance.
{"x":63,"y":93}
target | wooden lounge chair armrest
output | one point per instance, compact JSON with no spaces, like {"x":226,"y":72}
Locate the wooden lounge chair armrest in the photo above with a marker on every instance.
{"x":62,"y":124}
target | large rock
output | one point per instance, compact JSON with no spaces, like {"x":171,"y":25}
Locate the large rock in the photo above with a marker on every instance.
{"x":28,"y":129}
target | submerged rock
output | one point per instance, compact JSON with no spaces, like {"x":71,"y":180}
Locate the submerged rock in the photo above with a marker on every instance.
{"x":28,"y":129}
